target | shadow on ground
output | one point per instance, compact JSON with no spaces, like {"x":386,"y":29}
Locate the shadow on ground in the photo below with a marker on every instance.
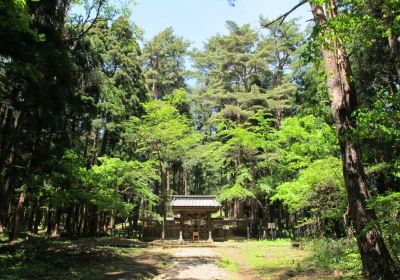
{"x":305,"y":271}
{"x":47,"y":259}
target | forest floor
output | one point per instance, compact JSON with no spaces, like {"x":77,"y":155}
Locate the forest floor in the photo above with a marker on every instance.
{"x":247,"y":260}
{"x":118,"y":258}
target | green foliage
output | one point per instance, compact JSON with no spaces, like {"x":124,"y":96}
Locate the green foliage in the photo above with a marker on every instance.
{"x":180,"y":100}
{"x":387,"y":210}
{"x":337,"y":255}
{"x":378,"y":133}
{"x":381,"y":121}
{"x":115,"y":179}
{"x":15,"y":18}
{"x":163,"y":59}
{"x":320,"y":187}
{"x":162,"y":132}
{"x":305,"y":139}
{"x":236,"y":191}
{"x":65,"y":184}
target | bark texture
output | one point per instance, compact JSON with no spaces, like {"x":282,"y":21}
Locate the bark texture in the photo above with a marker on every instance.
{"x":376,"y":260}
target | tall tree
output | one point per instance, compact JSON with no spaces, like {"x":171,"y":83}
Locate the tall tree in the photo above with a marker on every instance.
{"x":236,"y":60}
{"x":165,"y":136}
{"x":377,"y":262}
{"x":39,"y":93}
{"x":164,"y":61}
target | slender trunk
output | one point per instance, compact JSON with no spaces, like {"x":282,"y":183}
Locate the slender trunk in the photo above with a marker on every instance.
{"x":265,"y":217}
{"x":94,"y":221}
{"x":4,"y":209}
{"x":236,"y":204}
{"x":5,"y":191}
{"x":76,"y":219}
{"x":164,"y":195}
{"x":17,"y":216}
{"x":49,"y":220}
{"x":185,"y":183}
{"x":394,"y":52}
{"x":111,"y":224}
{"x":135,"y":216}
{"x":38,"y":218}
{"x":154,"y":90}
{"x":167,"y":180}
{"x":68,"y":220}
{"x":56,"y":225}
{"x":376,"y":260}
{"x":81,"y":223}
{"x":104,"y":142}
{"x":278,"y":117}
{"x":379,"y":9}
{"x":279,"y":217}
{"x":254,"y":218}
{"x":93,"y":159}
{"x":31,"y":216}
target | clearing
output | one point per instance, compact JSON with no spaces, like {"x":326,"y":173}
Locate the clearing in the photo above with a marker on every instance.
{"x":126,"y":259}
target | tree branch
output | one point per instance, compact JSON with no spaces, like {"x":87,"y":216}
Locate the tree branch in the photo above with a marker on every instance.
{"x":282,"y":18}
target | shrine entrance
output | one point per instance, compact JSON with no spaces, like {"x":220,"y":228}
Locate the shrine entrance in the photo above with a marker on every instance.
{"x":195,"y":216}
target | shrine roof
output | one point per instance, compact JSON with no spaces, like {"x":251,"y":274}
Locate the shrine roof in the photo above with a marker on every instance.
{"x":195,"y":201}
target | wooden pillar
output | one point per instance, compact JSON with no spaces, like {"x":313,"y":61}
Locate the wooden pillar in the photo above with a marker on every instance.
{"x":181,"y":219}
{"x":210,"y":227}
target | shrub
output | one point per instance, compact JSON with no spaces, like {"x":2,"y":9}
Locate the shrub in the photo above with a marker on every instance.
{"x":337,"y":255}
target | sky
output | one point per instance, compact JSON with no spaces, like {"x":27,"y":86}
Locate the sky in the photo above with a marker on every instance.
{"x":198,"y":20}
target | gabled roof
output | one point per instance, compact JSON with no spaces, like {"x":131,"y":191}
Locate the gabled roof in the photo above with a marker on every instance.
{"x":195,"y":201}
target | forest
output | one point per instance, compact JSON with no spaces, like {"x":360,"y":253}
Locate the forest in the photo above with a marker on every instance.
{"x":100,"y":127}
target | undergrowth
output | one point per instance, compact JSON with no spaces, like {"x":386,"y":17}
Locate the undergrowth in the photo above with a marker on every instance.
{"x":38,"y":258}
{"x":338,"y":255}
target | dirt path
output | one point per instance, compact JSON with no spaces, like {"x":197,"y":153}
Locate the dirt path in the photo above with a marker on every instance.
{"x":194,"y":263}
{"x":245,"y":272}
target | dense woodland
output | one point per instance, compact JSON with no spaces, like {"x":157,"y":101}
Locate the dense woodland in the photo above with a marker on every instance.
{"x":99,"y":127}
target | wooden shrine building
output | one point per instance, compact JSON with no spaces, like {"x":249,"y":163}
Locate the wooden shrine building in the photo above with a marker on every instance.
{"x":192,"y":220}
{"x":194,"y":213}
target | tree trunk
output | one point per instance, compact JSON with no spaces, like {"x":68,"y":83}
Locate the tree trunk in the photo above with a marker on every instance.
{"x":236,"y":205}
{"x":6,"y":189}
{"x":81,"y":223}
{"x":94,"y":221}
{"x":185,"y":183}
{"x":68,"y":220}
{"x":279,"y":217}
{"x":56,"y":225}
{"x":164,"y":211}
{"x":31,"y":215}
{"x":254,"y":218}
{"x":135,"y":216}
{"x":38,"y":218}
{"x":164,"y":202}
{"x":49,"y":220}
{"x":154,"y":90}
{"x":378,"y":9}
{"x":17,"y":216}
{"x":376,"y":260}
{"x":111,"y":224}
{"x":4,"y":201}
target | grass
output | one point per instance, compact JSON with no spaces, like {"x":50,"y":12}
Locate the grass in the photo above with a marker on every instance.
{"x":108,"y":258}
{"x":34,"y":257}
{"x":228,"y":264}
{"x":338,"y":255}
{"x":278,"y":259}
